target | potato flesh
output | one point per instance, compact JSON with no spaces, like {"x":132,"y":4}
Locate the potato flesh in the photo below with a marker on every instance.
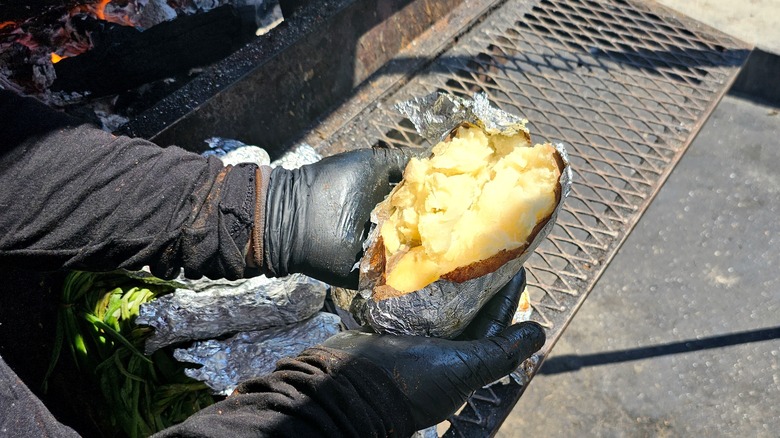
{"x":476,"y":196}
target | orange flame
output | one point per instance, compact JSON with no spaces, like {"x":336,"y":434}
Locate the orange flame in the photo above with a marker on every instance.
{"x":100,"y":8}
{"x":96,"y":8}
{"x":5,"y":24}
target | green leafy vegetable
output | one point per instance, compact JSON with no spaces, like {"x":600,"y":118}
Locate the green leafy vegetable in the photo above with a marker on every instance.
{"x":140,"y":394}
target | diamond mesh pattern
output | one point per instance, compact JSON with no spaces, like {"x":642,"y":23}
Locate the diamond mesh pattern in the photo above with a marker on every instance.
{"x":623,"y":84}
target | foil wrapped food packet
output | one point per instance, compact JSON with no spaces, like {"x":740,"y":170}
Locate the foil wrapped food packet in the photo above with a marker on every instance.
{"x":444,"y":308}
{"x":210,"y":308}
{"x":227,"y":362}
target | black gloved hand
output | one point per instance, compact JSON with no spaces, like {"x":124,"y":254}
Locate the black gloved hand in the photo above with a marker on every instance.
{"x":497,"y":313}
{"x":437,"y":375}
{"x":316,"y":217}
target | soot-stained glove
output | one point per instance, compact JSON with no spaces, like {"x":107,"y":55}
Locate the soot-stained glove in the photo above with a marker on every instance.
{"x":437,"y":376}
{"x":316,"y":217}
{"x":497,"y":313}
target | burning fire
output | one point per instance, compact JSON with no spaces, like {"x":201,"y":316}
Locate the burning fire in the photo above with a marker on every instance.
{"x":100,"y":8}
{"x":73,"y":47}
{"x":61,"y":33}
{"x":65,"y":40}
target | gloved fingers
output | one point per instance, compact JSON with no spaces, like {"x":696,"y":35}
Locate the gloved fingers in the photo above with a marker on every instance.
{"x":339,"y":279}
{"x":396,"y":159}
{"x":497,"y":314}
{"x":502,"y":354}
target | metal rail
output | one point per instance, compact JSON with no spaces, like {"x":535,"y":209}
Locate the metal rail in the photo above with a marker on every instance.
{"x":625,"y":84}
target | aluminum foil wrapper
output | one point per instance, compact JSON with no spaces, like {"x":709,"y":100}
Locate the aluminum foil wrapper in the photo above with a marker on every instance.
{"x":444,"y":308}
{"x":225,"y":363}
{"x":524,"y":309}
{"x":436,"y":114}
{"x":431,"y":432}
{"x":297,"y":157}
{"x":247,"y":154}
{"x":234,"y":152}
{"x":211,"y":308}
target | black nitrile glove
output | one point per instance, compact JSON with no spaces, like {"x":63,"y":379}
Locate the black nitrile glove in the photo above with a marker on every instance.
{"x":316,"y":217}
{"x":497,"y":313}
{"x":437,"y":375}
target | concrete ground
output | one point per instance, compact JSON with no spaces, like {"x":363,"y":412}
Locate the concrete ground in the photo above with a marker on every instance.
{"x":753,"y":21}
{"x":681,"y":336}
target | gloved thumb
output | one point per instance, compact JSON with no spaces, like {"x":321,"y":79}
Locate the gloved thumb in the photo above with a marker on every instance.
{"x":497,"y":314}
{"x":500,"y":355}
{"x":396,"y":159}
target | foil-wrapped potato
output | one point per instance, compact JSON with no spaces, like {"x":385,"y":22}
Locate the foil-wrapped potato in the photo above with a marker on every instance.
{"x":472,"y":206}
{"x":460,"y":224}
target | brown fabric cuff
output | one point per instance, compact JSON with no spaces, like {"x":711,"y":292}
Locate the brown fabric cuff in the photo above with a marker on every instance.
{"x":262,"y":178}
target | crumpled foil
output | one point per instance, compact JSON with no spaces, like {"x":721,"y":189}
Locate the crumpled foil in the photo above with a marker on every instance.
{"x":430,"y":432}
{"x":225,"y":363}
{"x":523,"y":374}
{"x":436,"y":114}
{"x":297,"y":157}
{"x":247,"y":154}
{"x":444,"y":308}
{"x":219,"y":146}
{"x":211,"y":308}
{"x":233,"y":152}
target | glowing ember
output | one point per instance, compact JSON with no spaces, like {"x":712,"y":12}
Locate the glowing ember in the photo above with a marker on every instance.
{"x":31,"y":45}
{"x":65,"y":41}
{"x":25,"y":39}
{"x":115,"y":15}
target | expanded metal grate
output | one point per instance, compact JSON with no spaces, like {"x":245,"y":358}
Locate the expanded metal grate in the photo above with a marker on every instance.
{"x":624,"y":84}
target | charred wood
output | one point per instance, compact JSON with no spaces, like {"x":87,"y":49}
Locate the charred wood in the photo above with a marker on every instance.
{"x":21,"y":10}
{"x":124,"y":58}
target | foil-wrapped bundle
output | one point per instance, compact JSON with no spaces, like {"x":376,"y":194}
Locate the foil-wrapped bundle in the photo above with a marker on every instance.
{"x":300,"y":155}
{"x":444,"y":308}
{"x":211,"y":308}
{"x":246,"y":355}
{"x":247,"y":154}
{"x":233,"y":152}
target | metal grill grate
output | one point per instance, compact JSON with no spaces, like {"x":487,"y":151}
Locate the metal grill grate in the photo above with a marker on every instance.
{"x":626,"y":85}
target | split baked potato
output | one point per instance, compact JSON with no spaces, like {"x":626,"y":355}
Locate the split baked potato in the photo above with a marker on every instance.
{"x":462,"y":221}
{"x":474,"y":204}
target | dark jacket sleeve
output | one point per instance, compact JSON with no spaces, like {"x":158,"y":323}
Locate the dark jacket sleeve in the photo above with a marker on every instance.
{"x":74,"y":196}
{"x":322,"y":392}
